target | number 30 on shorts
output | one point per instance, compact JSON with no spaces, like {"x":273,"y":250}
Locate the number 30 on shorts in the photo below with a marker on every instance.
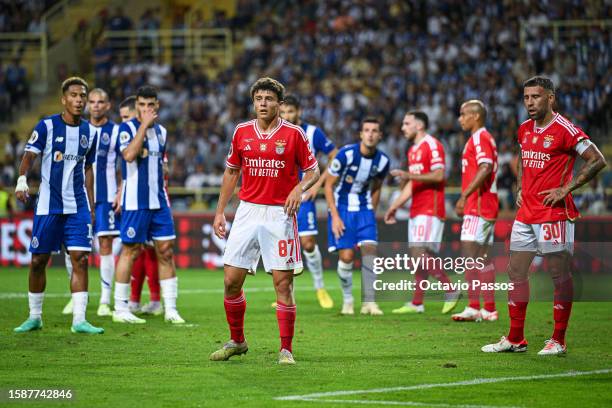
{"x":283,"y":245}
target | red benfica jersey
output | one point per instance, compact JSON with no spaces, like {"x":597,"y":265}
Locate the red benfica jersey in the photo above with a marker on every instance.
{"x":269,"y":161}
{"x":425,"y":157}
{"x":548,"y":156}
{"x":479,"y":149}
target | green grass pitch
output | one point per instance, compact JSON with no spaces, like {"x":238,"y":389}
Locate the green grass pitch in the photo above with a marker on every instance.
{"x":157,"y":364}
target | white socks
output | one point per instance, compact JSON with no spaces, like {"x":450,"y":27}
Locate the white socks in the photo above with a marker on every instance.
{"x":345,"y":272}
{"x":107,"y":271}
{"x":79,"y":305}
{"x":169,"y":292}
{"x":122,"y":296}
{"x":68,"y":265}
{"x":315,"y":266}
{"x":35,"y":301}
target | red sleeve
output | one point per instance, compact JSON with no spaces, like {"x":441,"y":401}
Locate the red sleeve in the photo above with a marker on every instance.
{"x":305,"y":158}
{"x":484,"y":150}
{"x":437,"y":159}
{"x":233,"y":157}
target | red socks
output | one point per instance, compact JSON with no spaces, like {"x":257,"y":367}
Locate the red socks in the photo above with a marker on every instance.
{"x":564,"y":294}
{"x":138,"y":276}
{"x":152,"y":272}
{"x":286,"y":323}
{"x":487,"y":275}
{"x":419,"y":276}
{"x":473,"y":293}
{"x":518,"y":298}
{"x":235,"y":308}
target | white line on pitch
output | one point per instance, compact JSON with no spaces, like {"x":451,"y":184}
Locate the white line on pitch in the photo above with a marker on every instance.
{"x":247,"y":290}
{"x":402,"y":403}
{"x":477,"y":381}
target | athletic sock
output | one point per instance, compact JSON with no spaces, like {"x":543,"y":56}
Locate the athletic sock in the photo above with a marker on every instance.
{"x":286,"y":324}
{"x":368,"y":294}
{"x":471,"y":275}
{"x":235,"y":309}
{"x":345,"y":273}
{"x":68,"y":262}
{"x":437,"y":272}
{"x":107,"y":271}
{"x":314,"y":263}
{"x":79,"y":306}
{"x":122,"y":294}
{"x":419,"y":293}
{"x":487,"y":275}
{"x":152,"y":271}
{"x":518,"y":298}
{"x":35,"y":301}
{"x":562,"y":309}
{"x":137,"y":279}
{"x":169,"y":289}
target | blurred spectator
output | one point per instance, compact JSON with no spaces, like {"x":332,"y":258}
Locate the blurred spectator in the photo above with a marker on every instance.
{"x":17,"y":83}
{"x":119,"y":21}
{"x":197,"y":179}
{"x":592,"y":201}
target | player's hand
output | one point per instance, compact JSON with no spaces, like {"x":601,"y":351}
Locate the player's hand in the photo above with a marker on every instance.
{"x":519,"y":199}
{"x":553,"y":196}
{"x":404,"y":175}
{"x":21,"y":190}
{"x":117,"y":203}
{"x":148,"y":117}
{"x":310,"y":194}
{"x":338,"y":227}
{"x":460,"y":206}
{"x":390,"y":216}
{"x":294,"y":199}
{"x":219,"y":225}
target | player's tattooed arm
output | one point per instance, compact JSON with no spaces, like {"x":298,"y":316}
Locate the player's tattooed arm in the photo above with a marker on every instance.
{"x":594,"y":163}
{"x":21,"y":191}
{"x":519,"y":179}
{"x":230,"y":181}
{"x":484,"y":171}
{"x":404,"y":196}
{"x":294,"y":199}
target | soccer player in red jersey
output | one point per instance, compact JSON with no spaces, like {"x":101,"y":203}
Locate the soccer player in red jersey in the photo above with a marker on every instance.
{"x":269,"y":152}
{"x":478,"y":204}
{"x":425,"y":186}
{"x":544,"y":224}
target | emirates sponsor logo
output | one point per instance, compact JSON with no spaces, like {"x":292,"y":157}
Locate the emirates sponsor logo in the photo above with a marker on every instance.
{"x":264,"y":167}
{"x":534,"y":159}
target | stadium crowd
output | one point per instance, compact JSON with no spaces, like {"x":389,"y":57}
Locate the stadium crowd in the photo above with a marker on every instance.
{"x":348,"y":59}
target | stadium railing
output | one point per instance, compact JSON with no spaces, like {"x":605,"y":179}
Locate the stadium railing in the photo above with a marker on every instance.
{"x":30,"y":48}
{"x":197,"y":45}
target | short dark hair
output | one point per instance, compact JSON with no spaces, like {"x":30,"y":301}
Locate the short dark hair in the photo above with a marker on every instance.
{"x":420,"y":116}
{"x":146,"y":91}
{"x":540,"y":80}
{"x":268,"y":84}
{"x":370,"y":119}
{"x":292,"y":100}
{"x":74,"y":81}
{"x":129,"y":102}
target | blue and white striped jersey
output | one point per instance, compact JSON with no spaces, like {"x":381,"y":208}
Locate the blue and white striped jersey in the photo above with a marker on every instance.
{"x":143,"y":186}
{"x":318,"y":140}
{"x":105,"y":169}
{"x":355,"y":173}
{"x":66,"y":150}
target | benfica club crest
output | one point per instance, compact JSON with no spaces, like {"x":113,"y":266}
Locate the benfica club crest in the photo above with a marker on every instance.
{"x":263,"y":147}
{"x":280,"y":146}
{"x":548,"y":140}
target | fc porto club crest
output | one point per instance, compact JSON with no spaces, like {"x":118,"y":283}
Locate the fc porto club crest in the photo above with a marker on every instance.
{"x":84,"y":142}
{"x":280,"y":146}
{"x":263,"y":147}
{"x":105,"y":138}
{"x":548,"y":140}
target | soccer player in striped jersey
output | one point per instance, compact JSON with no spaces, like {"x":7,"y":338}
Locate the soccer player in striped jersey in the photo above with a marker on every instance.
{"x":107,"y":223}
{"x":425,"y":185}
{"x":145,"y":210}
{"x":359,"y":171}
{"x":544,"y":224}
{"x":64,"y":210}
{"x":478,"y":204}
{"x":307,"y":216}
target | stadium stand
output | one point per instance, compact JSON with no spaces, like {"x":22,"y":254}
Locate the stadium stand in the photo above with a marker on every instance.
{"x":347,"y":59}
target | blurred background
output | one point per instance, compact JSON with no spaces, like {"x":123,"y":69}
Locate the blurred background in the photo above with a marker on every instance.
{"x":343,"y":59}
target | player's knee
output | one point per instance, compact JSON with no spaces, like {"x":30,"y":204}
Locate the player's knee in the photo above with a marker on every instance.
{"x":39,"y":262}
{"x":166,"y":253}
{"x":81,"y":260}
{"x":516,"y":274}
{"x":308,"y":245}
{"x":284,"y":287}
{"x":132,"y":251}
{"x":346,"y":258}
{"x":232,"y":286}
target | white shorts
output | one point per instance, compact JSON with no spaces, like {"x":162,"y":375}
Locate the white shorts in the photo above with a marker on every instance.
{"x":477,"y":229}
{"x":267,"y":231}
{"x":546,"y":238}
{"x":425,"y":231}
